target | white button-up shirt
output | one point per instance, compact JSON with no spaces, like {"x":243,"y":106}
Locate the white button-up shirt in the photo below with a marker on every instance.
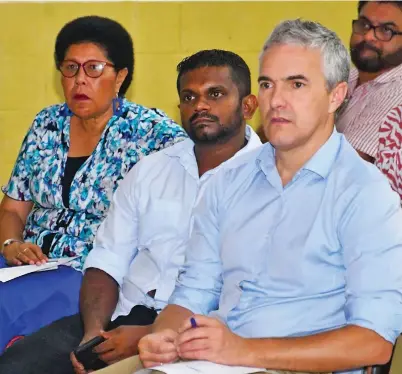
{"x":142,"y":241}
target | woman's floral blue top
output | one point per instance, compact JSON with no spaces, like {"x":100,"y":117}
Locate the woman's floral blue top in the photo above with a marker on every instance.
{"x":134,"y":133}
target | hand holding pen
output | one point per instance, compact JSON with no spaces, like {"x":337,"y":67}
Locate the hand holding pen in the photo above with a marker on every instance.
{"x":207,"y":338}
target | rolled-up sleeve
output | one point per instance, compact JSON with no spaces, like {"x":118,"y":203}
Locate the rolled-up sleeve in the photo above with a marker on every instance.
{"x":199,"y":281}
{"x":371,"y":237}
{"x":116,"y":241}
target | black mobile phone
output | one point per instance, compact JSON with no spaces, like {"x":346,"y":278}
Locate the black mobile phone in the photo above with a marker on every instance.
{"x":85,"y":354}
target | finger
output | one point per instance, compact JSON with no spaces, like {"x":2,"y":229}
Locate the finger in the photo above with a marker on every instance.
{"x":194,"y":345}
{"x":106,"y":346}
{"x":198,"y":333}
{"x":164,"y":347}
{"x":75,"y":362}
{"x":78,"y":367}
{"x":15,"y":262}
{"x":37,"y":252}
{"x":30,"y":251}
{"x":154,"y":346}
{"x":27,"y":251}
{"x":158,"y":343}
{"x":23,"y":257}
{"x":109,"y":334}
{"x":165,"y":336}
{"x":108,"y":357}
{"x":198,"y":354}
{"x":200,"y":321}
{"x":186,"y":325}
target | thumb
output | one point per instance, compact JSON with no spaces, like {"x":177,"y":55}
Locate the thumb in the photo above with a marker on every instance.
{"x":106,"y":334}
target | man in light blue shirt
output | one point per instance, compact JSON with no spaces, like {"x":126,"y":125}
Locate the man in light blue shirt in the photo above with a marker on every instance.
{"x":295,"y":258}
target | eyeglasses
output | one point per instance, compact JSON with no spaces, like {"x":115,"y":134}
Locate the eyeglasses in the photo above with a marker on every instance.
{"x":92,"y":68}
{"x":382,"y":32}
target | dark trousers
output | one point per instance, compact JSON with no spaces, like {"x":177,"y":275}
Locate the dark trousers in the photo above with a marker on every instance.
{"x":48,"y":350}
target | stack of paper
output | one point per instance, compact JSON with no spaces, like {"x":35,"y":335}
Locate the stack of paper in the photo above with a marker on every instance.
{"x":200,"y":367}
{"x":10,"y":273}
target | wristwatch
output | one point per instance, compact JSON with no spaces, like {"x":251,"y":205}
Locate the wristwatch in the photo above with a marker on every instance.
{"x":8,"y":242}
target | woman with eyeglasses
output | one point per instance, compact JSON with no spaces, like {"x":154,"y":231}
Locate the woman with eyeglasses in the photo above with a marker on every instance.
{"x":75,"y":153}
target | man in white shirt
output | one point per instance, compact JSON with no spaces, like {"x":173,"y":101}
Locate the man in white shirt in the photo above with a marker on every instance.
{"x":131,"y":271}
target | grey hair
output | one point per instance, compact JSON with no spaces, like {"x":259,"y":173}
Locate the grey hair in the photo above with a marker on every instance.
{"x":309,"y":34}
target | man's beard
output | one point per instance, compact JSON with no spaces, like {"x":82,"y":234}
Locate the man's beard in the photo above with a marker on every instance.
{"x":224,"y":132}
{"x":374,"y":64}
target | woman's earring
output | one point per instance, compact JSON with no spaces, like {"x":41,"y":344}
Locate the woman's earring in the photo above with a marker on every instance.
{"x":117,"y":105}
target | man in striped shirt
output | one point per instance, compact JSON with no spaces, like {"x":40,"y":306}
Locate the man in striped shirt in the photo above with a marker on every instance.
{"x":375,"y":86}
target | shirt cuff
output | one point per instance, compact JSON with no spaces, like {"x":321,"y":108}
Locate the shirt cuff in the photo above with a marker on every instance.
{"x":108,"y":262}
{"x":380,"y":315}
{"x":15,"y":193}
{"x":197,"y":301}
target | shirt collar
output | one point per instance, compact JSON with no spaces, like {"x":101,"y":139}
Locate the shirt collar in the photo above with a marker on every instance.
{"x":185,"y":150}
{"x":253,"y":141}
{"x":388,"y":76}
{"x":187,"y":145}
{"x":322,"y":161}
{"x":320,"y":164}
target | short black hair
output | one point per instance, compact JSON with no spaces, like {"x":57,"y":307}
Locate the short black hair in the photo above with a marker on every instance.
{"x":363,"y":3}
{"x":112,"y":37}
{"x":239,"y":70}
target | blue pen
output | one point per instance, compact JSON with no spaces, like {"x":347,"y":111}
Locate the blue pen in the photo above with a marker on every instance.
{"x":193,"y":323}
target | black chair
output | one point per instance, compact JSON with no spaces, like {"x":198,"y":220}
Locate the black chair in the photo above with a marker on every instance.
{"x":383,"y":369}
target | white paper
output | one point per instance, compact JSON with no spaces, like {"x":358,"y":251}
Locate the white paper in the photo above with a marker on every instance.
{"x":13,"y":272}
{"x":200,"y":367}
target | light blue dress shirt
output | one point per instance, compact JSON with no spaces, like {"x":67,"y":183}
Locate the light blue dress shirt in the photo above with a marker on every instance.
{"x":320,"y":253}
{"x":141,"y":242}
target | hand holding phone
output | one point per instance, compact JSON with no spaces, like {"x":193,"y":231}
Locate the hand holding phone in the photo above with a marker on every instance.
{"x":87,"y":357}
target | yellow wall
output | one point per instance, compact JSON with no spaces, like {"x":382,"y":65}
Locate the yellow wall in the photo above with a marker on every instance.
{"x":163,"y":33}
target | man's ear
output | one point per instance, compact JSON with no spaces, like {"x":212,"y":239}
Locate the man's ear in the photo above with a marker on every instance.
{"x":337,"y":96}
{"x":249,"y":106}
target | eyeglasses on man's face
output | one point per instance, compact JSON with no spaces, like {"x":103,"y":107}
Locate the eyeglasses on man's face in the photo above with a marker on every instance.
{"x":92,"y":68}
{"x":384,"y":32}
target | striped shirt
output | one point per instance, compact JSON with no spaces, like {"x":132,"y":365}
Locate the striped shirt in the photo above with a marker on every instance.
{"x":389,"y":155}
{"x":367,"y":105}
